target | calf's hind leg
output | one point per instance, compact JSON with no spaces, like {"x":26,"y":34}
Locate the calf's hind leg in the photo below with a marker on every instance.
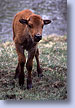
{"x":21,"y":62}
{"x":39,"y":70}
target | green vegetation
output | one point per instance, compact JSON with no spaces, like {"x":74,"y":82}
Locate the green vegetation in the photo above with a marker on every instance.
{"x":53,"y":60}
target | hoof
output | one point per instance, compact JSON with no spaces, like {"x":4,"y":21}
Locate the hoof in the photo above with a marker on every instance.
{"x":40,"y":75}
{"x":29,"y":84}
{"x":39,"y":70}
{"x":21,"y":80}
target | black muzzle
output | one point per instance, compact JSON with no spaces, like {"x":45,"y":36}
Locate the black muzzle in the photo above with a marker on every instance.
{"x":37,"y":38}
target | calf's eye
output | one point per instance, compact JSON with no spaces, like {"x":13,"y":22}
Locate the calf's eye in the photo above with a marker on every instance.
{"x":30,"y":26}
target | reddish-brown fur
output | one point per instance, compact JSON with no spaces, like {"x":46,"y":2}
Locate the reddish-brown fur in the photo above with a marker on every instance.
{"x":25,"y":26}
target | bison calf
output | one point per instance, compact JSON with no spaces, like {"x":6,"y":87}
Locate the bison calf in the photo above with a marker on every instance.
{"x":27,"y":32}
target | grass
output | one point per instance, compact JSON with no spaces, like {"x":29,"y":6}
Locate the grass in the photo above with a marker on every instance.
{"x":53,"y":60}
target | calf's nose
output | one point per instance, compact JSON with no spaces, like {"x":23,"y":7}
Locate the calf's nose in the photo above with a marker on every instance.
{"x":38,"y":37}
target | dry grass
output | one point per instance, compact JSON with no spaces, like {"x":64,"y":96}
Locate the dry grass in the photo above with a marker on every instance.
{"x":53,"y":59}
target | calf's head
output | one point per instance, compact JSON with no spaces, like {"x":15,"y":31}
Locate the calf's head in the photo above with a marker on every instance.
{"x":35,"y":26}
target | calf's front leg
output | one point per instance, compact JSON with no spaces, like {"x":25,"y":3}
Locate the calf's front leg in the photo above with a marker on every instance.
{"x":29,"y":65}
{"x":21,"y":61}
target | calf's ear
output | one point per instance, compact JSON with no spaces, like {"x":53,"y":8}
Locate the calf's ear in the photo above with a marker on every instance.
{"x":23,"y":21}
{"x":46,"y":22}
